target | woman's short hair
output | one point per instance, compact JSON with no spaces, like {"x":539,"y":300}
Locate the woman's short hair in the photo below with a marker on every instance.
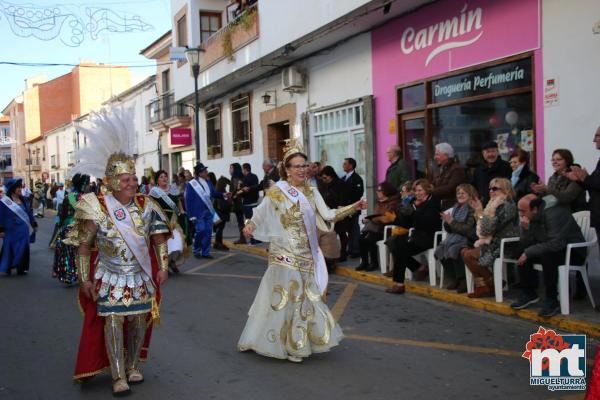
{"x":328,"y":171}
{"x":505,"y":186}
{"x":566,"y":155}
{"x":521,"y":155}
{"x":425,"y":185}
{"x":387,"y":189}
{"x":158,"y":173}
{"x":468,"y":189}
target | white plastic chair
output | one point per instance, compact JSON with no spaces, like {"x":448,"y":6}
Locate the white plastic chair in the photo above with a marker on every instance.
{"x":385,"y":256}
{"x":432,"y":264}
{"x":589,"y":234}
{"x":499,"y":272}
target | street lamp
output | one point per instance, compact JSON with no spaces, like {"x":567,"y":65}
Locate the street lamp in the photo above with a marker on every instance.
{"x":193,"y":57}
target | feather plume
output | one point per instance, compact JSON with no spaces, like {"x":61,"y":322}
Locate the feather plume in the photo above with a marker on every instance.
{"x":109,"y":133}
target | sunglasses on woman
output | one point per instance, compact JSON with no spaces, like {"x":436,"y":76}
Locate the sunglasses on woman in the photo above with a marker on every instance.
{"x":494,"y":189}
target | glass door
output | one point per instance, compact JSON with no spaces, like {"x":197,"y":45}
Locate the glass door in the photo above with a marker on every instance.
{"x":412,"y":128}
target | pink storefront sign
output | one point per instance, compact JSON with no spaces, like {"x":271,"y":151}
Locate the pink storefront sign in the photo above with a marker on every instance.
{"x":181,"y":136}
{"x":447,"y":36}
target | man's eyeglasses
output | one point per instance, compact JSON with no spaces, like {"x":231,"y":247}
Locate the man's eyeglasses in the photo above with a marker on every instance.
{"x":494,"y":189}
{"x":299,"y":166}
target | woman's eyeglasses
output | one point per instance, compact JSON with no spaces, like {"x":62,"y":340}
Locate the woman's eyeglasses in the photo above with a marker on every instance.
{"x":494,"y":189}
{"x":299,"y":166}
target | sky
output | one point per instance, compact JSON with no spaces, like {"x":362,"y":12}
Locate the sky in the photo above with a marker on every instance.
{"x":69,"y":32}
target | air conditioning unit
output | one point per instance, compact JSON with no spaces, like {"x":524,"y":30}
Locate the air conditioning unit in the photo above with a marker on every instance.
{"x":292,"y":80}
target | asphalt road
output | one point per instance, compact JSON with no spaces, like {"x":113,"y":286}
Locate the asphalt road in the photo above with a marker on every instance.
{"x":396,"y":346}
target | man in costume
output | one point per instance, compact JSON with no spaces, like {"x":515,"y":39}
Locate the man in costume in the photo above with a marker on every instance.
{"x":122,"y":257}
{"x":199,"y":193}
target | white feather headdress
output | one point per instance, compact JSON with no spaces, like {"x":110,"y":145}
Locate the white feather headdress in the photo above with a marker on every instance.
{"x":109,"y":134}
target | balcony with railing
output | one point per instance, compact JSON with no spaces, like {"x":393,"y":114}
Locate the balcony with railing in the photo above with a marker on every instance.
{"x":226,"y":41}
{"x":165,"y":111}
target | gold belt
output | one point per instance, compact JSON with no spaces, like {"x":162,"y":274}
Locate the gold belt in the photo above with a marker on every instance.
{"x":292,"y":262}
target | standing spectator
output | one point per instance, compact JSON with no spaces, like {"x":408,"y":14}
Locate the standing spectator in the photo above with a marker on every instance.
{"x":199,"y":193}
{"x":223,"y":209}
{"x":235,"y":170}
{"x":387,"y":201}
{"x":546,"y":229}
{"x":397,"y":172}
{"x":568,"y":192}
{"x":312,"y":174}
{"x":355,"y":190}
{"x":39,"y":197}
{"x":271,"y":175}
{"x":59,"y":196}
{"x":448,"y":177}
{"x":497,"y":221}
{"x":492,"y":167}
{"x":27,"y":195}
{"x":145,"y":185}
{"x":591,"y":182}
{"x":523,"y":178}
{"x":426,"y":221}
{"x":249,"y":196}
{"x":334,"y":194}
{"x":460,"y":225}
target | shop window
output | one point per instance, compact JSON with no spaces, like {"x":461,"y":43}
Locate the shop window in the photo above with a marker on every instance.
{"x":240,"y":119}
{"x":491,"y":102}
{"x":213,"y":132}
{"x":506,"y":120}
{"x":412,"y":96}
{"x":210,"y":23}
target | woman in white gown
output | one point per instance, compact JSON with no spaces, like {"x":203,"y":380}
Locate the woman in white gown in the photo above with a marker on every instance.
{"x":288,"y":318}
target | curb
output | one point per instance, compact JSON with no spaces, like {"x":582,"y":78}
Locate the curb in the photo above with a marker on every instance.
{"x":560,"y":321}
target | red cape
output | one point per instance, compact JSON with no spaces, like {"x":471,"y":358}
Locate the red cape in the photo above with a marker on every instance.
{"x":593,"y":392}
{"x":91,"y":357}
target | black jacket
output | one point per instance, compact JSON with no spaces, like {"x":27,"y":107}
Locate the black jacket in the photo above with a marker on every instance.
{"x":592,"y":185}
{"x":550,"y":230}
{"x":354,"y":189}
{"x":484,"y":173}
{"x":273,"y":175}
{"x":426,"y":220}
{"x":523,"y":185}
{"x":250,"y":181}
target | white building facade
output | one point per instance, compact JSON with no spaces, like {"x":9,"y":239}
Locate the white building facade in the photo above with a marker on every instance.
{"x":571,"y":54}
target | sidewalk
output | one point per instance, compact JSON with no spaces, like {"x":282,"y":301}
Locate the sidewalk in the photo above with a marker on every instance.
{"x":583,"y":318}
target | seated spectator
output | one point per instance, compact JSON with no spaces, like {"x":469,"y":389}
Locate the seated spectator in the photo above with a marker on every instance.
{"x":448,"y":177}
{"x":460,"y":225}
{"x":372,"y":232}
{"x":497,"y":221}
{"x":426,"y":221}
{"x":522,"y":177}
{"x":546,"y":229}
{"x":568,"y":193}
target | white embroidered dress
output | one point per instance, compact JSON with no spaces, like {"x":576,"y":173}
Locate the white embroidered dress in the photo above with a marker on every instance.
{"x":288,"y":316}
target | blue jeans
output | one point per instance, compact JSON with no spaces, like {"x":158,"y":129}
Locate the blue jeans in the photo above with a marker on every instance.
{"x":204,"y":226}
